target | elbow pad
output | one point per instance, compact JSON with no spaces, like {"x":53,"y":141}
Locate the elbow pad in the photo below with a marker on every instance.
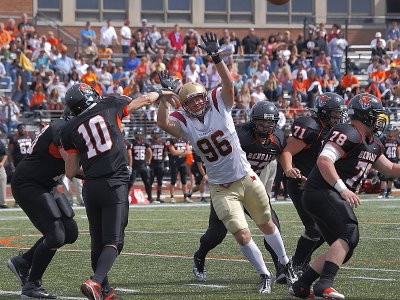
{"x":330,"y":152}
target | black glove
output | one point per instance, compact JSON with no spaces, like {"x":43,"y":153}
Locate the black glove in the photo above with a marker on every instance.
{"x":167,"y":82}
{"x":211,"y":45}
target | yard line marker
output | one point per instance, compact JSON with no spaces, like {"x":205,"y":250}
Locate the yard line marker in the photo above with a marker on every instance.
{"x":58,"y":297}
{"x":372,"y":278}
{"x":370,"y":269}
{"x":126,"y":290}
{"x":207,"y":285}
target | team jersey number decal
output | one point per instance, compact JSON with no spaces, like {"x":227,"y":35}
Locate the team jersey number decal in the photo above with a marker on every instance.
{"x":298,"y":132}
{"x":363,"y":169}
{"x":338,"y":138}
{"x":391,"y":152}
{"x":98,"y":133}
{"x":158,"y":153}
{"x":212,"y":148}
{"x":140,"y":154}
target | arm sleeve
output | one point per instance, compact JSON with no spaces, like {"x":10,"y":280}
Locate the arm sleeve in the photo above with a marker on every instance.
{"x":66,"y":142}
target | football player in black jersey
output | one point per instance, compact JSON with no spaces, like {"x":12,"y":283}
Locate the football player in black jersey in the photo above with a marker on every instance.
{"x":18,"y":145}
{"x":178,"y":149}
{"x":263,"y":142}
{"x":330,"y":195}
{"x":94,"y":140}
{"x":33,"y":187}
{"x":141,"y":157}
{"x":391,"y":151}
{"x":299,"y":157}
{"x":198,"y":172}
{"x":157,"y":162}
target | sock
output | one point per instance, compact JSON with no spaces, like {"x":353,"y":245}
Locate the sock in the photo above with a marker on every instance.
{"x":383,"y":191}
{"x":172,"y":196}
{"x":105,"y":284}
{"x":185,"y":195}
{"x":303,"y":251}
{"x":329,"y":272}
{"x":388,"y":191}
{"x":273,"y":256}
{"x":158,"y":194}
{"x":104,"y":263}
{"x":202,"y":195}
{"x":41,"y":259}
{"x":28,"y":255}
{"x":309,"y":276}
{"x":254,"y":256}
{"x":276,"y":243}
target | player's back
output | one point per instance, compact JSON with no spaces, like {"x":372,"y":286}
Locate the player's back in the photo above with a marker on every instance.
{"x":43,"y":162}
{"x":96,"y":135}
{"x":157,"y":148}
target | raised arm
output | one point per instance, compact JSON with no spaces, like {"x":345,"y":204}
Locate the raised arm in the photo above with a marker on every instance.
{"x":211,"y":46}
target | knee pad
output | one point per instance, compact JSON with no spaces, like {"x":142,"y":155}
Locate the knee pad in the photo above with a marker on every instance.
{"x":71,"y":230}
{"x":55,"y":237}
{"x":312,"y":232}
{"x":51,"y":205}
{"x":353,"y":237}
{"x":64,"y":205}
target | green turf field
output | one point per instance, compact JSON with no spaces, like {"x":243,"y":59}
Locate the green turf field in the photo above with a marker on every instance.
{"x":160,"y":241}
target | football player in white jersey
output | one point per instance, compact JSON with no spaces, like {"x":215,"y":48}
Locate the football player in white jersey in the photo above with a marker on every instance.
{"x":207,"y":123}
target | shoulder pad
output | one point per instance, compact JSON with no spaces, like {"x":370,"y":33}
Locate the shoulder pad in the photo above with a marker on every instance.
{"x":280,"y":138}
{"x":308,"y":123}
{"x":345,"y":135}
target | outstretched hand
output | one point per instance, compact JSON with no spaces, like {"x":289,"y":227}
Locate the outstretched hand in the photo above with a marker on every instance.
{"x":211,"y":45}
{"x":167,"y":81}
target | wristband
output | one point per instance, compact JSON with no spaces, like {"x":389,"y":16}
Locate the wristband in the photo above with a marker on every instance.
{"x":216,"y":58}
{"x":340,"y":186}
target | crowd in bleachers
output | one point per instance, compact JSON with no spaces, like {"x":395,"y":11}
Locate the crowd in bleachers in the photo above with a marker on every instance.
{"x":290,"y":71}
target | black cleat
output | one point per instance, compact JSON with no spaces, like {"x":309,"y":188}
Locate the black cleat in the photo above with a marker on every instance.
{"x":280,"y":277}
{"x":20,"y":268}
{"x":109,"y":294}
{"x":290,"y":274}
{"x":300,"y":290}
{"x":199,"y":268}
{"x":34,"y":289}
{"x":203,"y":199}
{"x":265,"y":284}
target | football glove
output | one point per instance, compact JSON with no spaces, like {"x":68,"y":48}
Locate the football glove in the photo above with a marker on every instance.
{"x":167,"y":82}
{"x":211,"y":45}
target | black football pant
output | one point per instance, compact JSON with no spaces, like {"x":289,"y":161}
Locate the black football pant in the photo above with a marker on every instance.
{"x":144,"y":174}
{"x":182,"y":169}
{"x":217,"y":231}
{"x":51,"y":213}
{"x":157,"y":171}
{"x":311,"y":240}
{"x":107,"y":211}
{"x":196,"y":173}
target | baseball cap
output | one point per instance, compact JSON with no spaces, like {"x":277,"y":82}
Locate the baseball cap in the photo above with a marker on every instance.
{"x":378,"y":35}
{"x":144,"y":20}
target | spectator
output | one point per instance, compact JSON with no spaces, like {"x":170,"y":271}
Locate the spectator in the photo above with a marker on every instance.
{"x":51,"y":39}
{"x":335,"y":32}
{"x":89,"y":76}
{"x":304,"y":61}
{"x":349,"y":80}
{"x":299,"y":69}
{"x":120,"y":76}
{"x":270,"y":87}
{"x":257,"y":95}
{"x":34,"y":42}
{"x":3,"y":71}
{"x":227,"y":49}
{"x":262,"y":73}
{"x":225,"y":34}
{"x":74,"y":78}
{"x":143,"y":29}
{"x":378,"y":37}
{"x":126,"y":36}
{"x":292,"y":61}
{"x":235,"y":41}
{"x":393,"y":36}
{"x":104,"y":53}
{"x":38,"y":99}
{"x":20,"y":88}
{"x":378,"y":50}
{"x":340,"y":89}
{"x":176,"y":61}
{"x":379,"y":77}
{"x":313,"y":92}
{"x":252,"y":68}
{"x":25,"y":26}
{"x":132,"y":61}
{"x":41,"y":59}
{"x":336,"y":48}
{"x":143,"y":68}
{"x":61,"y":90}
{"x":300,"y":43}
{"x":90,"y":50}
{"x":251,"y":43}
{"x":176,"y":38}
{"x":190,"y":42}
{"x":63,"y":65}
{"x":285,"y":80}
{"x":192,"y":60}
{"x":141,"y":44}
{"x":46,"y":77}
{"x":97,"y":66}
{"x":320,"y":62}
{"x":373,"y":67}
{"x":396,"y":53}
{"x":296,"y":109}
{"x":9,"y":114}
{"x":5,"y":37}
{"x":192,"y":75}
{"x":12,"y":29}
{"x":253,"y":82}
{"x":87,"y":35}
{"x":54,"y":100}
{"x":108,"y":35}
{"x":239,"y":112}
{"x":105,"y":78}
{"x":158,"y":63}
{"x":163,"y":43}
{"x":386,"y":64}
{"x":154,"y":35}
{"x":203,"y":77}
{"x":213,"y":78}
{"x":300,"y":85}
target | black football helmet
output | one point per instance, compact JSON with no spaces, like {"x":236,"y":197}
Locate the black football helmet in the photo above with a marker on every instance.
{"x":369,"y":110}
{"x":265,"y":111}
{"x":331,"y":109}
{"x":67,"y":115}
{"x":80,"y":96}
{"x":391,"y":131}
{"x":139,"y":133}
{"x":155,"y":132}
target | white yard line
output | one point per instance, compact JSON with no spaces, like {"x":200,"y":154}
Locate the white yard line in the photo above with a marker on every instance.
{"x":207,"y":285}
{"x":58,"y":297}
{"x":372,"y":278}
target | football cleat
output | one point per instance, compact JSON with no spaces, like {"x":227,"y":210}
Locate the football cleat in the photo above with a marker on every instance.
{"x":290,"y":274}
{"x":280,"y":277}
{"x":199,"y":268}
{"x":388,"y":195}
{"x":187,"y":200}
{"x":20,"y":267}
{"x":110,"y":294}
{"x":381,"y":196}
{"x":34,"y":289}
{"x":332,"y":294}
{"x":172,"y":200}
{"x":203,"y":199}
{"x":265,"y":284}
{"x":299,"y":290}
{"x":92,"y":290}
{"x":190,"y":193}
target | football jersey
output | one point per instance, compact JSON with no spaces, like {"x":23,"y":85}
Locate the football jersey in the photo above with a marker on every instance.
{"x":390,"y":148}
{"x":157,"y":148}
{"x":354,"y":165}
{"x":43,"y":162}
{"x":139,"y":152}
{"x":311,"y":131}
{"x":260,"y":155}
{"x":21,"y":145}
{"x":96,"y":135}
{"x":215,"y":140}
{"x":179,"y":144}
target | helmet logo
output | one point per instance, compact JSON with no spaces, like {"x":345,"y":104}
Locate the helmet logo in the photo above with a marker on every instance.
{"x":323,"y":99}
{"x":365,"y":102}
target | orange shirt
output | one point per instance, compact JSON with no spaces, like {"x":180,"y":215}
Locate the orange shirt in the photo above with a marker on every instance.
{"x":301,"y":86}
{"x":36,"y":99}
{"x":294,"y":110}
{"x":127,"y":90}
{"x":378,"y":76}
{"x":88,"y":78}
{"x":52,"y":41}
{"x":102,"y":54}
{"x":141,"y":69}
{"x":13,"y":31}
{"x":347,"y":82}
{"x":5,"y":38}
